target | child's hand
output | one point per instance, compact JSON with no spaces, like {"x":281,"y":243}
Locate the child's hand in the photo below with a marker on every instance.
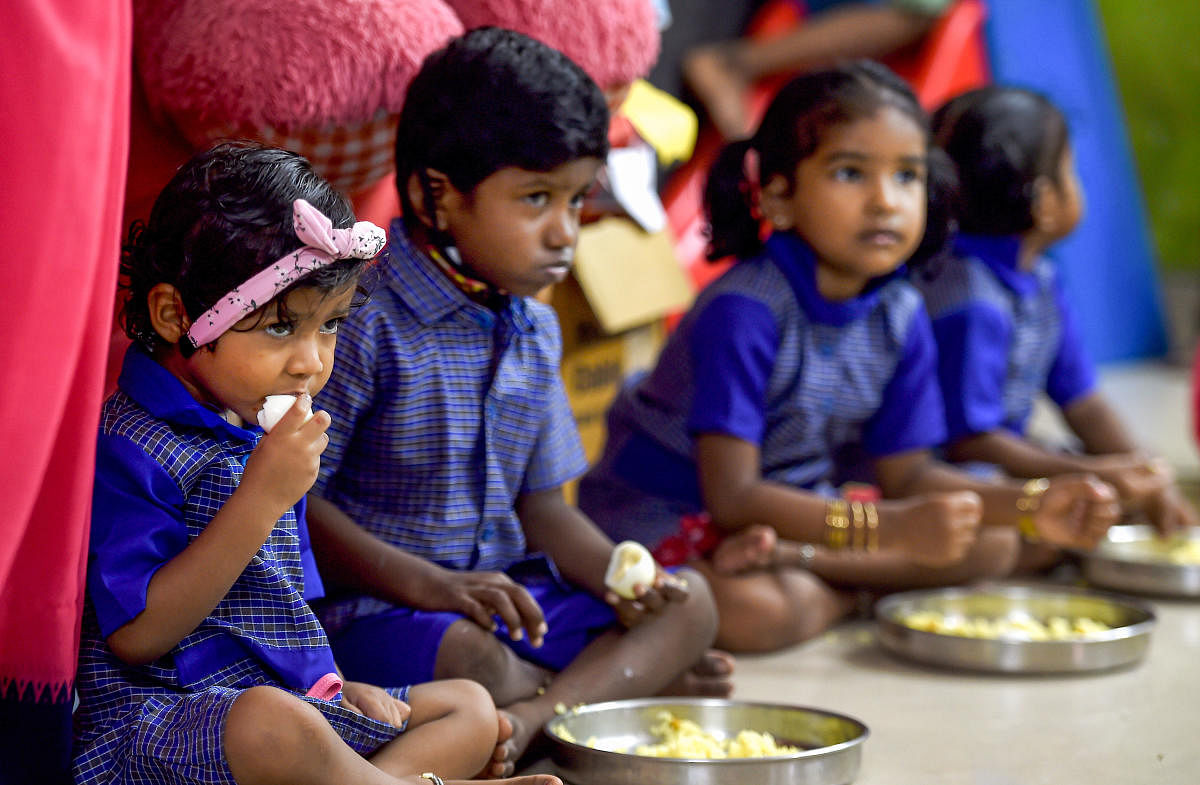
{"x":648,"y":599}
{"x":932,"y":530}
{"x":375,"y":702}
{"x":1169,"y":512}
{"x":482,"y":595}
{"x":285,"y":463}
{"x":1136,"y":477}
{"x":1076,"y":510}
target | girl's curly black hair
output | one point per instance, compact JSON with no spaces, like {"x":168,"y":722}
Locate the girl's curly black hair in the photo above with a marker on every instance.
{"x":224,"y":216}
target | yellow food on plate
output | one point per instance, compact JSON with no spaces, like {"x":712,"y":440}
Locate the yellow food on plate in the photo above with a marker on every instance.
{"x":1184,"y":551}
{"x":681,"y":738}
{"x":1022,"y":628}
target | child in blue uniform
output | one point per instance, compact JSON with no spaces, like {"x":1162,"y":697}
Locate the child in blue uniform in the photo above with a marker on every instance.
{"x":451,"y":433}
{"x":201,"y":660}
{"x":1004,"y":330}
{"x":809,"y":362}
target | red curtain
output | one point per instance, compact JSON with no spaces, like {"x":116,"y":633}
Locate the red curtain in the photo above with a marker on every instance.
{"x":63,"y":147}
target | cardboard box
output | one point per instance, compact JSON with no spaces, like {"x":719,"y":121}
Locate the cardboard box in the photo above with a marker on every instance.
{"x":612,"y":309}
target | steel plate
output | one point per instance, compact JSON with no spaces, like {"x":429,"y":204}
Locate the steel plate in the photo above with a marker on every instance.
{"x":1132,"y":623}
{"x":831,"y":744}
{"x":1134,"y":559}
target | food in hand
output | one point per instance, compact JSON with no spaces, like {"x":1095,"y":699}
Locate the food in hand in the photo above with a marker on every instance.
{"x":274,"y":407}
{"x":1021,"y":628}
{"x":631,"y":565}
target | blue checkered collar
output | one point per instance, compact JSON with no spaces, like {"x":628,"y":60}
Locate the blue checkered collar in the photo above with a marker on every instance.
{"x":158,"y":391}
{"x":796,"y":259}
{"x":1001,"y":254}
{"x":416,"y":279}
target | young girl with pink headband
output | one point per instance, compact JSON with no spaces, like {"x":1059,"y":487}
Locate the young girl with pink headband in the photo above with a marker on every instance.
{"x":200,"y":659}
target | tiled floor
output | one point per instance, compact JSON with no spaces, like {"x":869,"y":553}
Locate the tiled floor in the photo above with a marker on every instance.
{"x":1134,"y":726}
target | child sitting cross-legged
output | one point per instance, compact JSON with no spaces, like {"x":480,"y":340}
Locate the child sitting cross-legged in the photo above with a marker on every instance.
{"x":200,"y":660}
{"x":439,"y":509}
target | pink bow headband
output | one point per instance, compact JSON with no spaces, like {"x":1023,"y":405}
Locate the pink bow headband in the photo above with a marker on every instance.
{"x":322,"y":245}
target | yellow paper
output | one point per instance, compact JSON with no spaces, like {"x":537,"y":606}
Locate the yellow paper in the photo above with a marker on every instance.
{"x":665,"y":122}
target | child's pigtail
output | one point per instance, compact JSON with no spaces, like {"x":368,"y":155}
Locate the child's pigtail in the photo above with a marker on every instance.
{"x":731,"y":202}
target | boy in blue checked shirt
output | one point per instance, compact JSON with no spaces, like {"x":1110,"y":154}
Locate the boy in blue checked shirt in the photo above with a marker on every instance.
{"x":439,"y":507}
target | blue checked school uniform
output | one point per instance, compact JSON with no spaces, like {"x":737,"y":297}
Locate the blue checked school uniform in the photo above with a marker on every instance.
{"x":1004,"y":336}
{"x":820,"y":387}
{"x":444,"y":412}
{"x":165,"y":465}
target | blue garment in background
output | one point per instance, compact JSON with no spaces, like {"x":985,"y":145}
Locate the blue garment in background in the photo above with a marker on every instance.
{"x":1004,"y":336}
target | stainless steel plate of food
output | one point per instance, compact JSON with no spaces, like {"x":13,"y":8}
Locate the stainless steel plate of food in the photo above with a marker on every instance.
{"x":616,"y":743}
{"x":1135,"y":559}
{"x":1015,"y":628}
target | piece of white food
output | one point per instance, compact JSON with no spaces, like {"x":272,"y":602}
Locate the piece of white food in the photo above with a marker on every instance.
{"x":631,"y":565}
{"x":274,"y":407}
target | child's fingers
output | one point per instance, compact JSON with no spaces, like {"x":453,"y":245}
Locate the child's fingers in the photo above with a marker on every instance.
{"x":673,"y":588}
{"x":296,"y":415}
{"x":502,"y":605}
{"x":477,"y":612}
{"x":532,"y":618}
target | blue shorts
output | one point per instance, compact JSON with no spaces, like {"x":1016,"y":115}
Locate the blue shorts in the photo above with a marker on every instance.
{"x":400,"y":646}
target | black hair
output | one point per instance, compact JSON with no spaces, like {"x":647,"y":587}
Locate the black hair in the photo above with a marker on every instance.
{"x":491,"y":99}
{"x":792,"y":129}
{"x":224,"y":216}
{"x":1001,"y":139}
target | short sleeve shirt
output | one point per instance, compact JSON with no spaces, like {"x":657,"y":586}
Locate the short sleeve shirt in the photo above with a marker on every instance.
{"x":1004,"y":335}
{"x":165,"y":466}
{"x":763,"y":357}
{"x":444,"y":412}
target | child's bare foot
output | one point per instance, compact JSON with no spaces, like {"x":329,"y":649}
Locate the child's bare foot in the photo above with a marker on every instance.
{"x":504,"y":757}
{"x":711,"y":676}
{"x":751,"y":548}
{"x":712,"y":74}
{"x":523,"y":727}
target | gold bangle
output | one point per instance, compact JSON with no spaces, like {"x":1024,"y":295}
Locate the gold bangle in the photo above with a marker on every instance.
{"x":859,"y":542}
{"x":872,"y":526}
{"x":1027,"y":505}
{"x":837,"y":524}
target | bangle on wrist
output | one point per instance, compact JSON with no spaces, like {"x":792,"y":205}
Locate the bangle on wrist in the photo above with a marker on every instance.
{"x":1027,"y":504}
{"x":837,"y":524}
{"x":859,"y":519}
{"x":435,"y":779}
{"x":872,"y":515}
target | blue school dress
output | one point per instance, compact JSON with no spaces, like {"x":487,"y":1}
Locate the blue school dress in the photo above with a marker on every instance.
{"x":820,"y":387}
{"x":165,"y":466}
{"x":444,"y":412}
{"x":1004,"y":336}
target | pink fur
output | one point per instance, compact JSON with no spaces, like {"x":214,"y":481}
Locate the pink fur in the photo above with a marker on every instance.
{"x":284,"y":63}
{"x":615,"y":41}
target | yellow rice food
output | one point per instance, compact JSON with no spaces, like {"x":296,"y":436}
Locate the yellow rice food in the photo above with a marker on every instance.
{"x":1184,"y":551}
{"x":681,"y":738}
{"x":1025,"y":628}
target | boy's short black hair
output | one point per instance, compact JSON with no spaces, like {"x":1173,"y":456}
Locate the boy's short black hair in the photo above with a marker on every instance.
{"x":491,"y":99}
